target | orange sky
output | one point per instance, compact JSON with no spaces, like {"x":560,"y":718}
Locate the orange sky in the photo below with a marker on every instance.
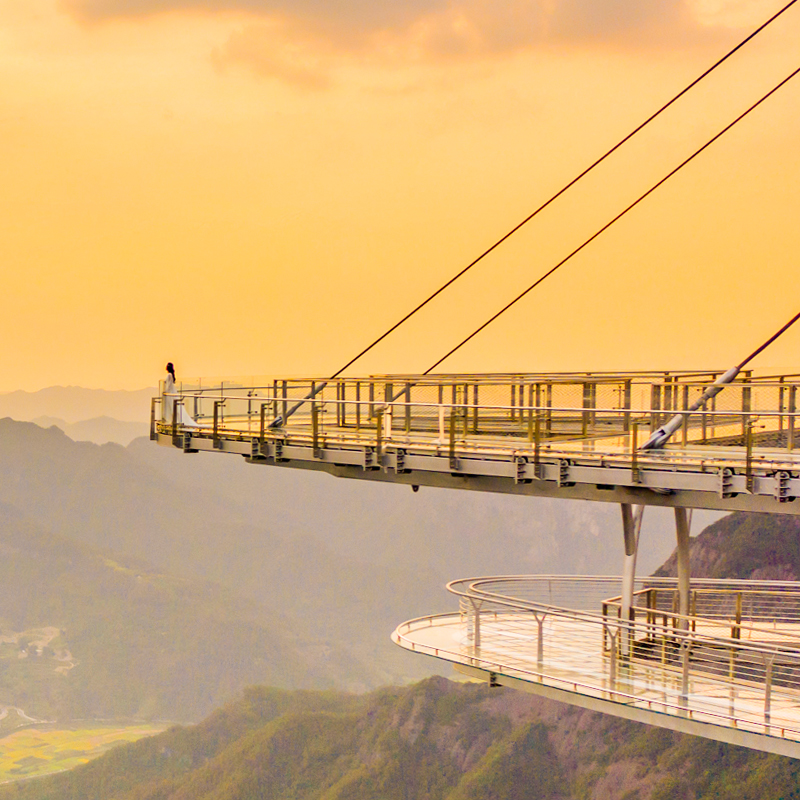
{"x":262,"y":187}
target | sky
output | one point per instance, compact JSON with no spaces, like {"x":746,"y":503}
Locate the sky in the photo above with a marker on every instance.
{"x":262,"y":187}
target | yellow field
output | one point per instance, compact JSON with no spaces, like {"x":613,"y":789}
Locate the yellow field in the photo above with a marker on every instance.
{"x":40,"y":751}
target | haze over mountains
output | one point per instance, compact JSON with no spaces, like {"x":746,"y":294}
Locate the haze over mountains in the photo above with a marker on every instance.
{"x":75,"y":404}
{"x":93,"y":415}
{"x":329,"y":567}
{"x":141,"y":582}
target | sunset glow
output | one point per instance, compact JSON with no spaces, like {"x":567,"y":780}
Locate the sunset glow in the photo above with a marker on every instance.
{"x":255,"y":187}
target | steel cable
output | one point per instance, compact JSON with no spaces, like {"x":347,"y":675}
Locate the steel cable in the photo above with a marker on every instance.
{"x":558,"y":194}
{"x":611,"y":222}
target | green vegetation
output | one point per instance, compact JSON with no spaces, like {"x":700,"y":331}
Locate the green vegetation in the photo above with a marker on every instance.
{"x":432,"y":741}
{"x":749,"y":546}
{"x":87,"y":630}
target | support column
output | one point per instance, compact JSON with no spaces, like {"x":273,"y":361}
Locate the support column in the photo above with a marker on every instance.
{"x":682,"y":525}
{"x":631,"y":527}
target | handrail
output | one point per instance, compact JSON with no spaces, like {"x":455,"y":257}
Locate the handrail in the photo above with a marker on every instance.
{"x":644,"y":412}
{"x":612,"y":692}
{"x":653,"y":663}
{"x":518,"y":604}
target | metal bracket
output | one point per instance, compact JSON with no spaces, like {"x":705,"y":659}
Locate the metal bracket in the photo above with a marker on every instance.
{"x":400,"y":462}
{"x":187,"y":444}
{"x":369,"y":459}
{"x":726,"y":483}
{"x":520,"y":473}
{"x":563,"y":473}
{"x":278,"y":451}
{"x":782,"y":486}
{"x":257,"y":451}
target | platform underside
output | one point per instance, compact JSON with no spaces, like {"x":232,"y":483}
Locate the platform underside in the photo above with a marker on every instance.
{"x":663,"y":480}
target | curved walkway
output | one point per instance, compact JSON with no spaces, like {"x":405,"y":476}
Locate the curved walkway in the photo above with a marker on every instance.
{"x":731,"y":671}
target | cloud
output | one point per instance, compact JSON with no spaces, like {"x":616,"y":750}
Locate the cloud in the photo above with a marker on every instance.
{"x":510,"y":19}
{"x":367,"y":14}
{"x":303,"y":41}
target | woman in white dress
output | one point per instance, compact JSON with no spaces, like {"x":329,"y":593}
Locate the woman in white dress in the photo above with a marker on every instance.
{"x":168,"y":404}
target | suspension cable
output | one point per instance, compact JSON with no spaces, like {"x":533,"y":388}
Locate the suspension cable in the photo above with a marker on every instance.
{"x":611,"y":222}
{"x":558,"y":194}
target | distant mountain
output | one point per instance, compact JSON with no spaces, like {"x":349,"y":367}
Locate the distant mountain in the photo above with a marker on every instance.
{"x":74,"y":403}
{"x":439,"y":741}
{"x":747,"y":546}
{"x":99,"y":430}
{"x":345,"y":561}
{"x":85,"y":635}
{"x":432,"y":741}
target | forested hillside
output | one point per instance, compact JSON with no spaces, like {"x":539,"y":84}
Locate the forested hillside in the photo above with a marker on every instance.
{"x":433,"y":741}
{"x":87,"y":635}
{"x":749,"y":546}
{"x":439,"y":740}
{"x":342,"y":562}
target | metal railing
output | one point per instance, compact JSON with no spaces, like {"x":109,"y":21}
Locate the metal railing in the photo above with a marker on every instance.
{"x":754,"y":421}
{"x":735,"y":661}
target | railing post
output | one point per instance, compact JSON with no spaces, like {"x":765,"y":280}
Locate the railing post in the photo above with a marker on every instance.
{"x":217,"y":442}
{"x":465,"y":409}
{"x":704,"y":423}
{"x":175,"y":421}
{"x":549,"y":405}
{"x":530,"y":413}
{"x":476,"y":629}
{"x":736,"y":632}
{"x":475,"y":425}
{"x":769,"y":661}
{"x":626,"y":404}
{"x":540,"y":645}
{"x":358,"y":405}
{"x":613,"y":636}
{"x":153,"y":432}
{"x":748,"y":441}
{"x":453,"y":460}
{"x":408,"y":408}
{"x":685,"y":426}
{"x":378,"y":434}
{"x":655,"y":406}
{"x":746,"y":406}
{"x":685,"y":650}
{"x":634,"y":439}
{"x":315,"y":429}
{"x":790,"y":418}
{"x":262,"y":427}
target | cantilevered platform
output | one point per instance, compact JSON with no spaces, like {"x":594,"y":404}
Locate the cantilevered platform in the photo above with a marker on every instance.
{"x":716,"y":659}
{"x":729,"y":671}
{"x":569,"y":435}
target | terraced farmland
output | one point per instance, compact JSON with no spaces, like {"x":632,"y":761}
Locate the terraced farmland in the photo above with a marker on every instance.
{"x":37,"y":751}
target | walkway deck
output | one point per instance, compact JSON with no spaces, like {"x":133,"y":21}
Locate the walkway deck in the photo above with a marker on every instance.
{"x":575,"y":436}
{"x":743,"y":690}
